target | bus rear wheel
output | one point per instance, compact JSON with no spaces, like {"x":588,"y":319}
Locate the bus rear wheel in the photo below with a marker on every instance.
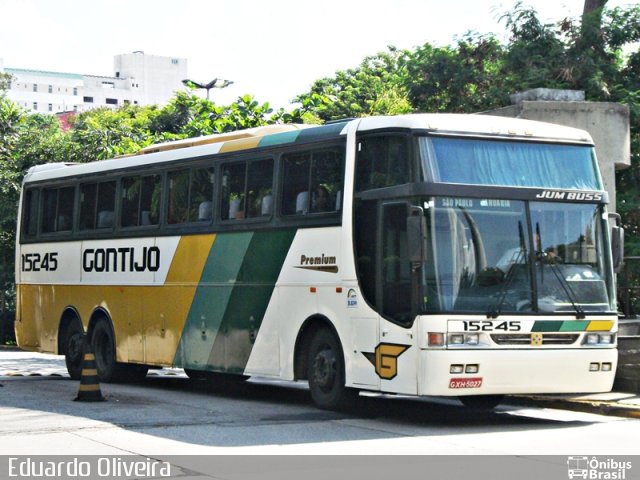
{"x":74,"y":351}
{"x":326,"y":373}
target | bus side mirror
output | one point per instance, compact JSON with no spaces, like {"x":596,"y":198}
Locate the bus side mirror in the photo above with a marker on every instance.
{"x":617,"y":243}
{"x":417,"y":237}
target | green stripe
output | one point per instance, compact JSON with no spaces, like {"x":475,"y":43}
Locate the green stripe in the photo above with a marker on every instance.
{"x":279,"y":138}
{"x":546,"y":326}
{"x":249,"y":300}
{"x":211,"y":299}
{"x":574,"y":326}
{"x":229,"y":305}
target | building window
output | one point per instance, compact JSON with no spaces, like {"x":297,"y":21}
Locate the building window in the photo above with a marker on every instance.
{"x":35,"y":105}
{"x":87,"y":99}
{"x":35,"y":87}
{"x":51,"y":107}
{"x":112,"y":101}
{"x":50,"y":89}
{"x":75,"y":90}
{"x":174,"y":61}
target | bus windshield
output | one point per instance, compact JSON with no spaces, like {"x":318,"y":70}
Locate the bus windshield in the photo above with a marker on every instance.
{"x":508,"y":163}
{"x":491,"y":256}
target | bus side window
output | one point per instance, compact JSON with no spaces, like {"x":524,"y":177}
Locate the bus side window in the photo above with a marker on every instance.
{"x":58,"y":209}
{"x":140,"y":201}
{"x":30,"y":215}
{"x":382,"y":161}
{"x":233,"y":191}
{"x":295,"y":184}
{"x":312,"y":182}
{"x":201,"y":194}
{"x":178,"y":197}
{"x":97,"y":204}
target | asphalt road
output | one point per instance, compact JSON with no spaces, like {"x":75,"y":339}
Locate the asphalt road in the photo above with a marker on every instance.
{"x":168,"y":414}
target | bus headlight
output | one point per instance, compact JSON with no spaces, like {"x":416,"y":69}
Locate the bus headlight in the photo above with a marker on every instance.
{"x":606,"y":339}
{"x":592,"y":339}
{"x":456,"y":339}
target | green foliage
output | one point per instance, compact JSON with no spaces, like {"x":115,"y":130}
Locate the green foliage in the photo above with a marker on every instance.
{"x":376,"y":87}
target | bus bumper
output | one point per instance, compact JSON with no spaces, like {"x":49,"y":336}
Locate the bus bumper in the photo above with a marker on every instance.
{"x":516,"y":371}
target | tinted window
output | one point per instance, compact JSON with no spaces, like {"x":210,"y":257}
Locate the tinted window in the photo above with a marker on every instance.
{"x":140,"y":201}
{"x":382,"y":161}
{"x":30,"y":214}
{"x":97,"y":205}
{"x":247,"y":190}
{"x":312,"y":182}
{"x":57,"y":204}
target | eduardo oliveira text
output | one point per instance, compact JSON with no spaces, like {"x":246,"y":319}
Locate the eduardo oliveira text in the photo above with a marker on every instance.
{"x":87,"y":467}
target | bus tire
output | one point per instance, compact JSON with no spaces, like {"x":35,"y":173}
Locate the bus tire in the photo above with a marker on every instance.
{"x":481,"y":402}
{"x":326,"y":373}
{"x":104,"y":349}
{"x":73,"y":344}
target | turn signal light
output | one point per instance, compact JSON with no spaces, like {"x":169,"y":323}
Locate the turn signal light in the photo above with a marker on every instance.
{"x":435,"y":339}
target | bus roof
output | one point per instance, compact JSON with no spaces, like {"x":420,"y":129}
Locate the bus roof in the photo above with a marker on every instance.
{"x":199,"y":147}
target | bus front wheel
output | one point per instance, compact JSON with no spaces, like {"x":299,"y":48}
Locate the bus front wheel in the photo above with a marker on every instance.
{"x":326,"y":373}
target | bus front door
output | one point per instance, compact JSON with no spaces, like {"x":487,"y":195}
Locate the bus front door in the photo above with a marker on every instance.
{"x":396,"y":353}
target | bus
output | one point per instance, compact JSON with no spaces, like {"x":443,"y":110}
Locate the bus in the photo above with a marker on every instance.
{"x":463,"y":256}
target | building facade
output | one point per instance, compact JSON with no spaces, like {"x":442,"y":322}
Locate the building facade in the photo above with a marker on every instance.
{"x":139,"y":79}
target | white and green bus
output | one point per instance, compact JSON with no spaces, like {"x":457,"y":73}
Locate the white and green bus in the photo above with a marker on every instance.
{"x":440,"y":255}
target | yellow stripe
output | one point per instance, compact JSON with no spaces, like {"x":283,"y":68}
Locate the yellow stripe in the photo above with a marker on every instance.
{"x":601,"y":325}
{"x":90,"y":372}
{"x":89,"y":356}
{"x":241,"y":144}
{"x":189,"y":259}
{"x":89,"y":388}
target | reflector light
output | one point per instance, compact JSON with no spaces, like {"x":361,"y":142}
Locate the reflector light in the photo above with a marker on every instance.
{"x":594,"y":367}
{"x":471,"y":339}
{"x":606,"y":367}
{"x":456,"y":368}
{"x":456,"y":339}
{"x":472,"y":368}
{"x":435,"y":339}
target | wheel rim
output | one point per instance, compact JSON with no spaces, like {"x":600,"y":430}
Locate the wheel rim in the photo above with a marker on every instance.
{"x":324,"y":369}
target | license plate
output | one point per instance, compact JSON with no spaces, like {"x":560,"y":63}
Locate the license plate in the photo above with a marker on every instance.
{"x":475,"y":382}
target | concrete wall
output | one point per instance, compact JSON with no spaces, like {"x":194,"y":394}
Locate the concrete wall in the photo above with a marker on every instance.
{"x":608,"y":124}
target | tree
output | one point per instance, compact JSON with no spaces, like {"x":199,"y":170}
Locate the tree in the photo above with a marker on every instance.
{"x":375,"y":87}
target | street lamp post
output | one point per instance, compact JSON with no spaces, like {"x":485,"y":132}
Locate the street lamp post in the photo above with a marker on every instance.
{"x":215,"y":83}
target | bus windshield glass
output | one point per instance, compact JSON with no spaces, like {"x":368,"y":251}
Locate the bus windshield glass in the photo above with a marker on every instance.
{"x":508,"y":163}
{"x":491,"y":256}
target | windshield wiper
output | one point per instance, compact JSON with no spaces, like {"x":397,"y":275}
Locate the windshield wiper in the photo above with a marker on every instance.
{"x":502,"y":295}
{"x":580,"y":315}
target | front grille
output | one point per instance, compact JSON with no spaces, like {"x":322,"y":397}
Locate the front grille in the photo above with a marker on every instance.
{"x":525,"y":338}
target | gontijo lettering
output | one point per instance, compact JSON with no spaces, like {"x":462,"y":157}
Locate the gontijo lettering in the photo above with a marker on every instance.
{"x":123,"y":259}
